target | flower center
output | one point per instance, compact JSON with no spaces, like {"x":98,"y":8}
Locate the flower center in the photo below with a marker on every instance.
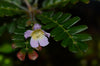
{"x":37,"y":34}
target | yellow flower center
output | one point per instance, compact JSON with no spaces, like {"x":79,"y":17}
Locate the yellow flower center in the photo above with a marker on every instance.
{"x":37,"y":34}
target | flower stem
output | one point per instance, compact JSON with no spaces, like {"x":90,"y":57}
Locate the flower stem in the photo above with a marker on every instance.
{"x":28,"y":5}
{"x":30,"y":11}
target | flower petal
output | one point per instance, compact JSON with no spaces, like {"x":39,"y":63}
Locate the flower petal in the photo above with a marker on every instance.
{"x":44,"y":41}
{"x":46,"y":34}
{"x":37,"y":26}
{"x":27,"y":33}
{"x":34,"y":43}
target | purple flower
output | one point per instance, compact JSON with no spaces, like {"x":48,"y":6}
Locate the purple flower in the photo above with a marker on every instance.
{"x":38,"y":36}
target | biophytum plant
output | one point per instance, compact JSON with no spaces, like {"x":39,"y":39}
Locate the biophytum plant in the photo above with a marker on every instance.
{"x":36,"y":17}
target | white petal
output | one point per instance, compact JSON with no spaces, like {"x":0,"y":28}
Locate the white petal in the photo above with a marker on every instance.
{"x":34,"y":43}
{"x":27,"y":33}
{"x":46,"y":34}
{"x":43,"y":41}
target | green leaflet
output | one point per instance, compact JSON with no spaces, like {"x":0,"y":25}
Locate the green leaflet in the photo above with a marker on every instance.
{"x":82,"y":37}
{"x":20,"y":44}
{"x":60,"y":36}
{"x":49,"y":14}
{"x":85,"y":1}
{"x":55,"y":31}
{"x":66,"y":42}
{"x":64,"y":18}
{"x":74,"y":1}
{"x":62,"y":30}
{"x":19,"y":31}
{"x":49,"y":26}
{"x":16,"y":1}
{"x":82,"y":47}
{"x":11,"y":27}
{"x":47,"y":4}
{"x":8,"y":9}
{"x":18,"y":37}
{"x":71,"y":22}
{"x":54,"y":3}
{"x":77,"y":29}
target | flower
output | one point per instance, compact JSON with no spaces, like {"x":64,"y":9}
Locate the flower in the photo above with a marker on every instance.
{"x":33,"y":55}
{"x":38,"y":36}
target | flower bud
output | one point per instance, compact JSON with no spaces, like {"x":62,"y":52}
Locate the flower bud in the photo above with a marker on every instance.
{"x":21,"y":55}
{"x":33,"y":55}
{"x":14,"y":46}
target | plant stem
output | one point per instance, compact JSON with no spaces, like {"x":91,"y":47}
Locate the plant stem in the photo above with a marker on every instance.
{"x":28,"y":5}
{"x":31,"y":13}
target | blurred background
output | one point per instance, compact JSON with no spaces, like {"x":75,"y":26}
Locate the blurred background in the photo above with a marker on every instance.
{"x":54,"y":54}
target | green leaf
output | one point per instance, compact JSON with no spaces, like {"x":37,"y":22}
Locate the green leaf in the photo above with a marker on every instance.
{"x":78,"y":47}
{"x":18,"y":37}
{"x":8,"y":9}
{"x":56,"y":1}
{"x":73,"y":48}
{"x":2,"y":29}
{"x":71,"y":22}
{"x":49,"y":26}
{"x":20,"y":44}
{"x":85,"y":1}
{"x":60,"y":36}
{"x":77,"y":29}
{"x":74,"y":1}
{"x":55,"y":31}
{"x":11,"y":27}
{"x":82,"y":37}
{"x":61,"y":29}
{"x":64,"y":18}
{"x":16,"y":1}
{"x":19,"y":31}
{"x":21,"y":23}
{"x":44,"y":21}
{"x":47,"y":4}
{"x":49,"y":14}
{"x":57,"y":15}
{"x":83,"y":47}
{"x":66,"y":42}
